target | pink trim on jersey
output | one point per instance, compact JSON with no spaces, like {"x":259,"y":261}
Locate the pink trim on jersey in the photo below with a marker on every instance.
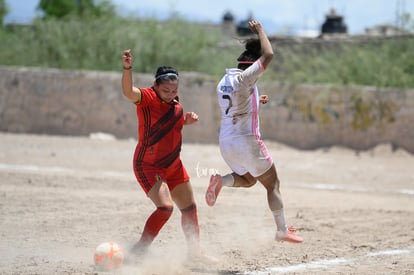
{"x":255,"y":112}
{"x":255,"y":116}
{"x":255,"y":128}
{"x":255,"y":123}
{"x":264,"y":151}
{"x":261,"y":65}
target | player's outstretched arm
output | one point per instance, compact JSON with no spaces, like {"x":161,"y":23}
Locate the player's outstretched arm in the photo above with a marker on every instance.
{"x":267,"y":51}
{"x":131,"y":92}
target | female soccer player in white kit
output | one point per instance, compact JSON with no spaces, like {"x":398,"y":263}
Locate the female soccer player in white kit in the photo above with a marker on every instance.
{"x":240,"y":143}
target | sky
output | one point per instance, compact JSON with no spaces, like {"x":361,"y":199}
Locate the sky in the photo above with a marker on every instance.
{"x":276,"y":16}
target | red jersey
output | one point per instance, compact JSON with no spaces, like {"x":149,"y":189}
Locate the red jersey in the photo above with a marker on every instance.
{"x":159,"y":130}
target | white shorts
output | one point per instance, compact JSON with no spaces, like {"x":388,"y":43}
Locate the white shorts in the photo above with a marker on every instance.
{"x":246,"y":154}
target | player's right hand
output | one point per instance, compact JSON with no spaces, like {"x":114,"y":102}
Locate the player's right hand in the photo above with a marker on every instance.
{"x":254,"y":26}
{"x":127,"y":59}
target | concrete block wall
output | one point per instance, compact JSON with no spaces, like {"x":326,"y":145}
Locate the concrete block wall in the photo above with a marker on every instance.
{"x":49,"y":101}
{"x":314,"y":116}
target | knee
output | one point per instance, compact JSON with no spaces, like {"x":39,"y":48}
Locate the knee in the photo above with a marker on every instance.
{"x":276,"y":184}
{"x":273,"y":185}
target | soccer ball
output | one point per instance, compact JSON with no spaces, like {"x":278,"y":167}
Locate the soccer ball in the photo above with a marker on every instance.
{"x":108,"y":256}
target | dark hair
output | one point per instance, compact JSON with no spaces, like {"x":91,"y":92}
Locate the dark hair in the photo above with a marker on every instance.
{"x":165,"y":72}
{"x":253,"y":50}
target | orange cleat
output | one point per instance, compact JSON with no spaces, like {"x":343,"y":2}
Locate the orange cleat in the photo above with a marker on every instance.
{"x":288,"y":236}
{"x":213,"y":189}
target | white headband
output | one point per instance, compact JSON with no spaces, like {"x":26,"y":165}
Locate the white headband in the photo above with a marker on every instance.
{"x":167,"y":74}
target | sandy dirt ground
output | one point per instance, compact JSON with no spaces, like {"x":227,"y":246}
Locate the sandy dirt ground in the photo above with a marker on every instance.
{"x":62,"y":196}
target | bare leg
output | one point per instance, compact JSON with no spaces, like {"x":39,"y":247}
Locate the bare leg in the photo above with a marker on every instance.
{"x":245,"y":180}
{"x":160,"y":195}
{"x":271,"y":182}
{"x":230,"y":180}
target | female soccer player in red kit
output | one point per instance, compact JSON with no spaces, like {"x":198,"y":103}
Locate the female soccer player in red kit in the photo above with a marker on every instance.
{"x":157,"y":164}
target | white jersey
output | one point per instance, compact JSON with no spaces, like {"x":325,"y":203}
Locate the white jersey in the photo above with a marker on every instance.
{"x":238,"y":98}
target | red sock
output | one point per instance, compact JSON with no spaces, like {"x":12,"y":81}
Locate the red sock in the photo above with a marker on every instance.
{"x":189,"y":222}
{"x":154,"y":224}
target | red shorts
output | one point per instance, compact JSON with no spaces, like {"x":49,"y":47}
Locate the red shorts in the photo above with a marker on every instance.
{"x":148,"y":175}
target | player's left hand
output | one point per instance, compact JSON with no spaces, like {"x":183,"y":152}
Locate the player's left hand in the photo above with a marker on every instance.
{"x":190,"y":118}
{"x":263,"y":99}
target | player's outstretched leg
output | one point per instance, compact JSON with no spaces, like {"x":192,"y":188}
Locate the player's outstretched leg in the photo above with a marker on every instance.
{"x":213,"y":189}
